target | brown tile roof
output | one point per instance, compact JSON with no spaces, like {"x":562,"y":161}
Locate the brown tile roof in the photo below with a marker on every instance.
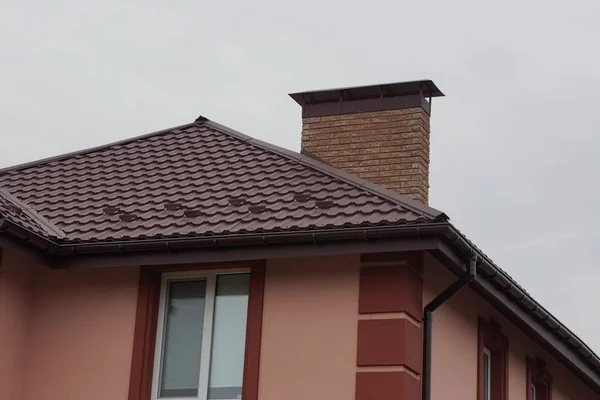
{"x":196,"y":180}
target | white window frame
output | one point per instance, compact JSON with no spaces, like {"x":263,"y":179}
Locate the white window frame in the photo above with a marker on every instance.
{"x":488,"y":353}
{"x":533,"y":391}
{"x":209,"y":307}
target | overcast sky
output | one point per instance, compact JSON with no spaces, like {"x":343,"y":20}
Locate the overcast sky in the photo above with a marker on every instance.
{"x":515,"y":143}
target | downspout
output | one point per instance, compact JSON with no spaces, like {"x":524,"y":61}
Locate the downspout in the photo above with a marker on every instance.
{"x":428,"y":322}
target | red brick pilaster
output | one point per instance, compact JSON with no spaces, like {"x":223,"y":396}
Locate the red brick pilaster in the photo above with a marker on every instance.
{"x":389,"y":346}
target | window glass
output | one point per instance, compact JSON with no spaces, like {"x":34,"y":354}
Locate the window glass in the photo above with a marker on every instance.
{"x":487,"y":358}
{"x":540,"y":380}
{"x":229,"y":334}
{"x":182,"y":340}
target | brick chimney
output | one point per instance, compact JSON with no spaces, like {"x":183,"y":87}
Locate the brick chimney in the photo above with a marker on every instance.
{"x":379,"y":133}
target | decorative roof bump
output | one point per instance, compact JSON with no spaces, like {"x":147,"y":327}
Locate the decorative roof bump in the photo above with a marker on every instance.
{"x":324,"y":204}
{"x":111,"y":210}
{"x":172,"y":206}
{"x":191,"y":213}
{"x":15,"y":209}
{"x":257,"y":209}
{"x":302,"y":197}
{"x":127,"y":217}
{"x":236,"y":201}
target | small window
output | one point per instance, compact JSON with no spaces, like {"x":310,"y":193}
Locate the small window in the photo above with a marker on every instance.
{"x":493,"y":353}
{"x":201,"y":336}
{"x":487,"y":367}
{"x":539,"y":380}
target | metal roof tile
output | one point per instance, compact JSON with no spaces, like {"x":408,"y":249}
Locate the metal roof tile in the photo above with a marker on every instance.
{"x":199,"y":167}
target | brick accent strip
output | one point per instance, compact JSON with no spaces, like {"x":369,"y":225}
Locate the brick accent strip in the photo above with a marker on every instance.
{"x":392,"y":385}
{"x":253,"y":332}
{"x":389,"y":342}
{"x":140,"y":380}
{"x":391,"y":288}
{"x":491,"y":336}
{"x":390,"y":305}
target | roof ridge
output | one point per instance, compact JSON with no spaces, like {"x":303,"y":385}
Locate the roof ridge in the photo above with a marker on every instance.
{"x":51,"y":229}
{"x":327,"y":169}
{"x":59,"y":157}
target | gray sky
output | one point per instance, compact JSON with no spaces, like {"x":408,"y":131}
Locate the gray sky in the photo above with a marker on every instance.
{"x":514,"y":143}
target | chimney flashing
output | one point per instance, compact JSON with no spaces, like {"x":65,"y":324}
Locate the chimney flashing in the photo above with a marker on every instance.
{"x":388,"y":96}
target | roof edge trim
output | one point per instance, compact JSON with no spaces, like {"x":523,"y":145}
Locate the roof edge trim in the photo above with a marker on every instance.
{"x":27,"y":237}
{"x":49,"y":227}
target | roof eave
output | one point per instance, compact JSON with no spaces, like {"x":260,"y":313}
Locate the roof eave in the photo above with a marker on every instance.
{"x":501,"y":290}
{"x":27,"y":237}
{"x":313,"y":236}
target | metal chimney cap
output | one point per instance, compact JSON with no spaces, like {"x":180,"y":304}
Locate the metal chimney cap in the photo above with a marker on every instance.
{"x":427,"y":87}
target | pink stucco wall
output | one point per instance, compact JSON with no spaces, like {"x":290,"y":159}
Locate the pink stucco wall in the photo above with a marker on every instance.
{"x":309,"y":329}
{"x":455,"y":347}
{"x":16,"y":279}
{"x":70,"y":334}
{"x":81,"y":334}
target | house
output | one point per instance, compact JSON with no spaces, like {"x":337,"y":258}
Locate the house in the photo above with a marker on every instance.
{"x":197,"y":262}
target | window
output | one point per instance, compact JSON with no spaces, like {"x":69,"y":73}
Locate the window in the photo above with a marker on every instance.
{"x":493,"y":353}
{"x":201,"y":335}
{"x":539,"y":380}
{"x":487,"y":361}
